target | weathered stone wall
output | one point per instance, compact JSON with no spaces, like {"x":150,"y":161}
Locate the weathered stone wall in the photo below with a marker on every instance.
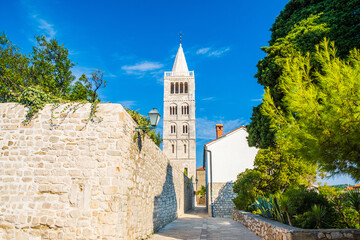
{"x":64,"y":178}
{"x":222,"y":195}
{"x":271,"y":230}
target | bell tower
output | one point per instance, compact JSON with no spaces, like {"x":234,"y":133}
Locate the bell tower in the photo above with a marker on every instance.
{"x":179,"y":143}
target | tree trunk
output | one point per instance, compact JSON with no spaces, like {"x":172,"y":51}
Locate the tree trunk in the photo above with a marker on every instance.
{"x":288,"y":217}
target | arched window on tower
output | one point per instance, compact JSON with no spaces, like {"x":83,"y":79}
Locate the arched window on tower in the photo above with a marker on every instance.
{"x":173,"y":129}
{"x":181,"y":87}
{"x":186,"y":87}
{"x":185,"y":128}
{"x":173,"y":148}
{"x":185,"y":109}
{"x":172,"y":87}
{"x":173,"y":109}
{"x":176,"y":87}
{"x":184,"y":148}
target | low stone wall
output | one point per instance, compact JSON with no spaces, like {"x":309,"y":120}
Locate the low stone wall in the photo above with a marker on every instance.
{"x":271,"y":230}
{"x":222,"y":195}
{"x":62,"y":177}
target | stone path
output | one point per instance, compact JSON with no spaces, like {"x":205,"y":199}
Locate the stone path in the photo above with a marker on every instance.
{"x":196,"y":225}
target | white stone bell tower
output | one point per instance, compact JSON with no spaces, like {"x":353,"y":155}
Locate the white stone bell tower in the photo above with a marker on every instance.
{"x":179,"y":134}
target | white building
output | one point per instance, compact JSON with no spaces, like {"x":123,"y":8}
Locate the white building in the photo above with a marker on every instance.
{"x":224,"y":158}
{"x":179,"y":136}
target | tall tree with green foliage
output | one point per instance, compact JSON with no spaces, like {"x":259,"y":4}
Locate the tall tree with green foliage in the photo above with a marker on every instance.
{"x":51,"y":68}
{"x":322,"y":118}
{"x":300,"y":26}
{"x":274,"y":171}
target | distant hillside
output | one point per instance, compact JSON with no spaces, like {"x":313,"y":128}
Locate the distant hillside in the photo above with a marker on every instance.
{"x":341,"y":186}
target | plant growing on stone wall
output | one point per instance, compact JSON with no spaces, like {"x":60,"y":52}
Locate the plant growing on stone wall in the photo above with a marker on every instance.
{"x":202,"y":191}
{"x":143,"y":121}
{"x":44,"y":76}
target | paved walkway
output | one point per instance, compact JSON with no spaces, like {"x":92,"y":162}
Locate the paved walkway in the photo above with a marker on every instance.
{"x":196,"y":225}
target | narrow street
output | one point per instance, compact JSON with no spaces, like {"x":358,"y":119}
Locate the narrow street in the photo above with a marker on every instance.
{"x":196,"y":225}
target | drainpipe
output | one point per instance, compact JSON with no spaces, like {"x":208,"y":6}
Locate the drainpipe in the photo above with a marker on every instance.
{"x":211,"y":187}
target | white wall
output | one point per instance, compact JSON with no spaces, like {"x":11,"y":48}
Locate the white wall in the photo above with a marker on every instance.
{"x":230,"y":156}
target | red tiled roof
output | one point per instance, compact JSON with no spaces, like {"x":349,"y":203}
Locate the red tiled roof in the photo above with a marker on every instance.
{"x":226,"y":134}
{"x":200,"y":168}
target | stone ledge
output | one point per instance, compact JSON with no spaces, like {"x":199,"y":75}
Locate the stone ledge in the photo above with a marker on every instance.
{"x":272,"y":230}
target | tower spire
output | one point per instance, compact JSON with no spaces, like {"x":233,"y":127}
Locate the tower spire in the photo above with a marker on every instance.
{"x":180,"y":65}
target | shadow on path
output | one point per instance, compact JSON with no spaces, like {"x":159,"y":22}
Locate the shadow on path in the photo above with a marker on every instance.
{"x":196,"y":224}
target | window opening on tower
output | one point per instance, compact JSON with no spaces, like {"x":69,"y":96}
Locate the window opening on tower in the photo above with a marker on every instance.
{"x":172,"y":87}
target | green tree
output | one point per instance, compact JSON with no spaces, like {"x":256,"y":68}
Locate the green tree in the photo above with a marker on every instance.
{"x":44,"y":76}
{"x":51,"y":67}
{"x":14,"y":69}
{"x":321,"y":122}
{"x":300,"y":26}
{"x":274,"y":171}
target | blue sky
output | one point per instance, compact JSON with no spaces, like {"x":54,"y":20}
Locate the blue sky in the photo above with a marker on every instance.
{"x":134,"y":42}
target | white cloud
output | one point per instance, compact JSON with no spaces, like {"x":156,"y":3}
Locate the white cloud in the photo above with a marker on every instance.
{"x":142,"y":67}
{"x":205,"y":128}
{"x":202,"y":50}
{"x":218,"y":53}
{"x":127,"y":103}
{"x":49,"y":29}
{"x":210,"y":52}
{"x":208,"y":99}
{"x":44,"y":26}
{"x":110,"y":75}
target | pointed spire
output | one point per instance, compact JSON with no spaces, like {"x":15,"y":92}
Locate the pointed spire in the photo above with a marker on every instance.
{"x":180,"y":65}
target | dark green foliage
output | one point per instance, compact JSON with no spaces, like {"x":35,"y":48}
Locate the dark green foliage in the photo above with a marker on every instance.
{"x":274,"y":171}
{"x":143,"y":121}
{"x":309,"y":209}
{"x":337,"y":20}
{"x":50,"y":67}
{"x":340,"y":186}
{"x":259,"y":134}
{"x":353,"y":201}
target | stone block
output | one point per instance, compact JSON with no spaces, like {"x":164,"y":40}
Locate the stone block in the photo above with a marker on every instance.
{"x":108,"y":218}
{"x":110,"y":190}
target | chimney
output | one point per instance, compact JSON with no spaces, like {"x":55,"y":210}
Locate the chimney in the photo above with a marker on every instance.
{"x":219,"y":130}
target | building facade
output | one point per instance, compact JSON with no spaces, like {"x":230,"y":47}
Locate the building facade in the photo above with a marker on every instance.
{"x":225,"y":157}
{"x":179,"y":136}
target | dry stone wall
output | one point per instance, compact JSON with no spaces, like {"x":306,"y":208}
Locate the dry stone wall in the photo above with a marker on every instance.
{"x":222,"y":195}
{"x":62,"y":177}
{"x":271,"y":230}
